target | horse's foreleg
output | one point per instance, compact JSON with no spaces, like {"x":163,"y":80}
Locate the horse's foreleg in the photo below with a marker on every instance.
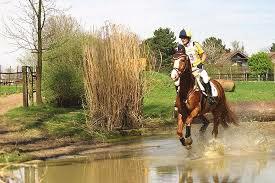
{"x":180,"y":125}
{"x":180,"y":129}
{"x":189,"y":120}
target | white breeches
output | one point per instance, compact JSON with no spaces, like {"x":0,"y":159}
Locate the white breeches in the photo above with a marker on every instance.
{"x":200,"y":73}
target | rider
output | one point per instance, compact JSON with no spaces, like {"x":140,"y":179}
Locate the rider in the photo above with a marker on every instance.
{"x":197,"y":58}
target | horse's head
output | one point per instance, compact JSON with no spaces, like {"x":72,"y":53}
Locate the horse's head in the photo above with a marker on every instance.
{"x":181,"y":64}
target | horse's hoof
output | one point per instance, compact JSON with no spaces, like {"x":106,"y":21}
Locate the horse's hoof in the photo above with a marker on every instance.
{"x":188,"y":141}
{"x":182,"y":140}
{"x":188,"y":147}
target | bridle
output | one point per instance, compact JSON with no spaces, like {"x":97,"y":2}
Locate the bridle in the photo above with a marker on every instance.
{"x":180,"y":56}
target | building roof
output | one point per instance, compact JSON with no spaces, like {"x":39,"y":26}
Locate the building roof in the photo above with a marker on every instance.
{"x":230,"y":55}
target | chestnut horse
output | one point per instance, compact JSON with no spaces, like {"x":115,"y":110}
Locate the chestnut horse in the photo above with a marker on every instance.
{"x":191,"y":103}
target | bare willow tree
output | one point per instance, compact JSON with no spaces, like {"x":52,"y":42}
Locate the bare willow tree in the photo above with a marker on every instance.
{"x":214,"y":49}
{"x":237,"y":46}
{"x":26,"y":31}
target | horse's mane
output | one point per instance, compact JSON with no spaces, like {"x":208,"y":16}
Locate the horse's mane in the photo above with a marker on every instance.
{"x":187,"y":80}
{"x":179,"y":54}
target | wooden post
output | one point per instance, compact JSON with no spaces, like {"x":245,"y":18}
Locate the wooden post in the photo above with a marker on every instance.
{"x":25,"y":86}
{"x":17,"y":78}
{"x":17,"y":73}
{"x":10,"y":76}
{"x":31,"y":86}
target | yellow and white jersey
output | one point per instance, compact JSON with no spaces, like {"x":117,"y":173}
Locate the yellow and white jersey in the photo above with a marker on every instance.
{"x":194,"y":51}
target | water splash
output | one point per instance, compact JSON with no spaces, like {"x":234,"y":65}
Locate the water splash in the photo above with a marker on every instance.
{"x":247,"y":138}
{"x":214,"y":148}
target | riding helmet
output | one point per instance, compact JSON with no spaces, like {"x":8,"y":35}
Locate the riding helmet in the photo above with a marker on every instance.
{"x":184,"y":33}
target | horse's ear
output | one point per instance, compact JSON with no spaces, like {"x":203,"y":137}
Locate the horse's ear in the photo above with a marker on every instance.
{"x":174,"y":51}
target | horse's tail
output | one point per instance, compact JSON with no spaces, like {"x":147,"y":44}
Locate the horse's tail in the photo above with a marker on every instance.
{"x":227,"y":116}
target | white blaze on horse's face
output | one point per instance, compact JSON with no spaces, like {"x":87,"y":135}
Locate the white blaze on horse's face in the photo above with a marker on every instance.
{"x":174,"y":73}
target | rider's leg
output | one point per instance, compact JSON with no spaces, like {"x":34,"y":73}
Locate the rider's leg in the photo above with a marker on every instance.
{"x":198,"y":79}
{"x":196,"y":73}
{"x":207,"y":85}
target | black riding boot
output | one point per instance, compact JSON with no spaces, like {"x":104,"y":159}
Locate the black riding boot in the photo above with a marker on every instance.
{"x":211,"y":100}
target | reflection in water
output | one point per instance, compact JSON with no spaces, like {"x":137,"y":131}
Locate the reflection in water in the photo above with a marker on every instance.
{"x":137,"y":170}
{"x":165,"y":160}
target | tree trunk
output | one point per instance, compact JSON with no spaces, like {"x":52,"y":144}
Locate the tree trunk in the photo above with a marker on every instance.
{"x":39,"y":55}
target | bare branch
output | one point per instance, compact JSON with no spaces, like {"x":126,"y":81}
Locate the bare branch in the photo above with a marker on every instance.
{"x":33,"y":8}
{"x":44,"y":15}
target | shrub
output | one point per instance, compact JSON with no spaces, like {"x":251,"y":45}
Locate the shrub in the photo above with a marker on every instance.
{"x":63,"y":63}
{"x":113,"y":79}
{"x":260,"y":63}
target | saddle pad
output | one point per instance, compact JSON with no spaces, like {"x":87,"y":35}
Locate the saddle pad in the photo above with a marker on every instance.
{"x":214,"y":90}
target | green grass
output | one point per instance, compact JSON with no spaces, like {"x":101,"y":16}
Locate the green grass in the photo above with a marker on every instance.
{"x":252,"y":91}
{"x":13,"y":157}
{"x":51,"y":121}
{"x":159,"y":100}
{"x":7,"y":90}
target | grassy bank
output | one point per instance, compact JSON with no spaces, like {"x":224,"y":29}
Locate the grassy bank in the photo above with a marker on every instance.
{"x":27,"y":131}
{"x":50,"y":121}
{"x":47,"y":132}
{"x":8,"y":90}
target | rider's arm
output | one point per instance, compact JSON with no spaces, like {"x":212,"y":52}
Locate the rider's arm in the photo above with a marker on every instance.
{"x":203,"y":57}
{"x":201,"y":53}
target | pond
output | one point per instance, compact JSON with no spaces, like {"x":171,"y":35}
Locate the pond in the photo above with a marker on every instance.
{"x":240,"y":154}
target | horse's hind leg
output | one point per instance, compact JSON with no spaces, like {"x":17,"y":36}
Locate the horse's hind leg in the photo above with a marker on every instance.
{"x":205,"y":124}
{"x":216,"y":123}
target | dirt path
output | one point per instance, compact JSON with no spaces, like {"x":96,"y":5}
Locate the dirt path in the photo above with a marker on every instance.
{"x":9,"y":102}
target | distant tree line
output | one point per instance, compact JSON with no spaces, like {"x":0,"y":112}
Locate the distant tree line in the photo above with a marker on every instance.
{"x":163,"y":43}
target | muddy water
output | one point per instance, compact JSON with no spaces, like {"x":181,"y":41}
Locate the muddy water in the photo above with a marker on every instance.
{"x":240,"y":154}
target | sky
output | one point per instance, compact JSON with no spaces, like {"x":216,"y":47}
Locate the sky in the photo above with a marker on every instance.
{"x":251,"y":22}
